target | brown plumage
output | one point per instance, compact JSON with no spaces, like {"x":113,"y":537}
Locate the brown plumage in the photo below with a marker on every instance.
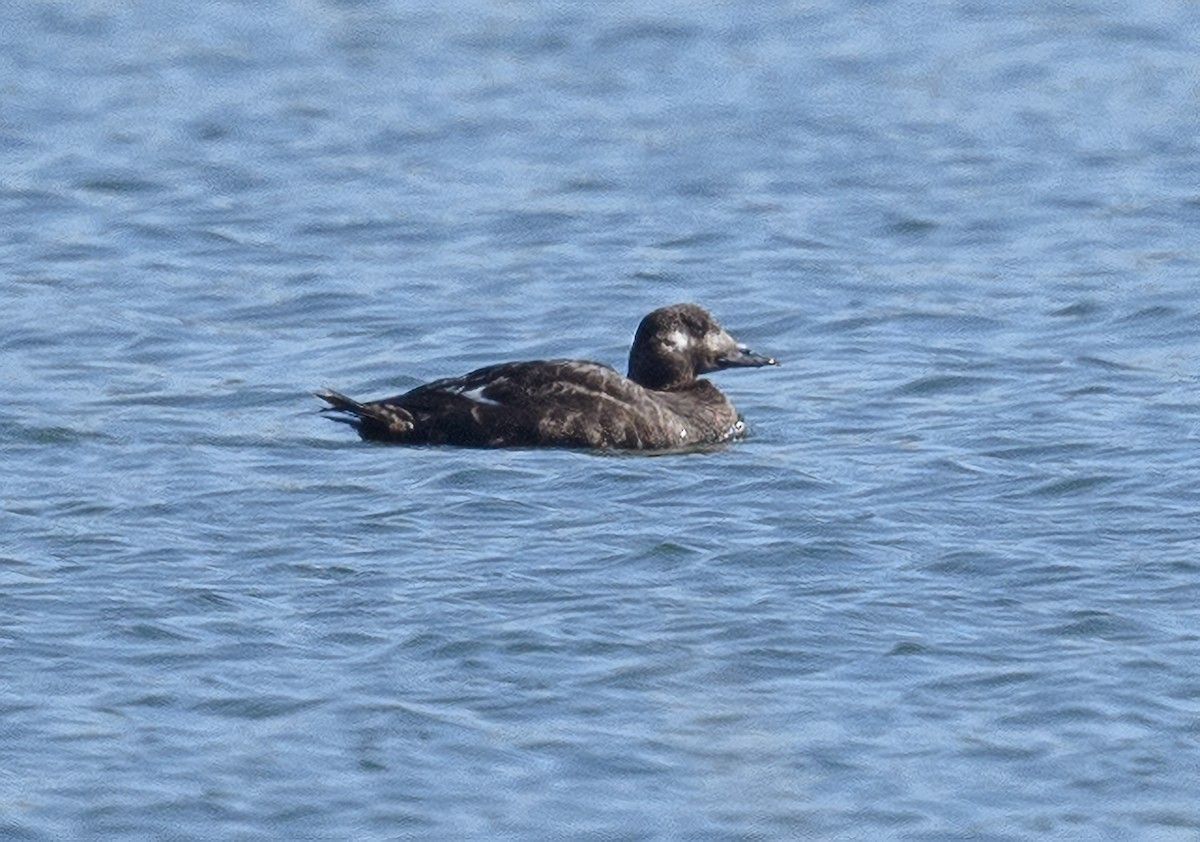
{"x":661,"y":405}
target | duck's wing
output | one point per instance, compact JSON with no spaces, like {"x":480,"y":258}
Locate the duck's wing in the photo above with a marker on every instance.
{"x":543,"y":383}
{"x":510,"y":403}
{"x":563,"y":403}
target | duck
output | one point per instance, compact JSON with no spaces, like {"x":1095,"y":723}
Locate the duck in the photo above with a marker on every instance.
{"x":661,"y":404}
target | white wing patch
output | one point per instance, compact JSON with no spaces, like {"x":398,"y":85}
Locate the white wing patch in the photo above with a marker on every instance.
{"x":477,"y":395}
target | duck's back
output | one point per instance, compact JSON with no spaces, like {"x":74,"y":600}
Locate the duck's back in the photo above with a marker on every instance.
{"x":555,"y":403}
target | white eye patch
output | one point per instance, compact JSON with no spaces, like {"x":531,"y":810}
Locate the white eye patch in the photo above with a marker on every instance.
{"x":678,"y":339}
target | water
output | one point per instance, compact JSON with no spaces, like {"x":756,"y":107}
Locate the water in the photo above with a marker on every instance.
{"x":947,"y":589}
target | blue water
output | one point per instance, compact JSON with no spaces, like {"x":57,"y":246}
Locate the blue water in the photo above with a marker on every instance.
{"x":948,"y":588}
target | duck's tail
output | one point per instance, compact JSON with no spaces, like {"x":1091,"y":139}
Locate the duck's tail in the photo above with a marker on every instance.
{"x":339,"y":402}
{"x":372,"y":420}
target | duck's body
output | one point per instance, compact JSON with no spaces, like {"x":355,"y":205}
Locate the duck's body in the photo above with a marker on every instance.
{"x":546,"y":403}
{"x":661,"y":405}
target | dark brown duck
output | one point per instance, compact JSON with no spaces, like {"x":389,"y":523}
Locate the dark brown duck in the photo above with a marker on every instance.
{"x":661,"y":405}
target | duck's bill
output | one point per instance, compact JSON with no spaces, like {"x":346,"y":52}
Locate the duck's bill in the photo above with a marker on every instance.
{"x":743,"y":357}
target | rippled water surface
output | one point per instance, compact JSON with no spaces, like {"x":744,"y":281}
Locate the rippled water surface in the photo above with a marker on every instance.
{"x":947,"y":589}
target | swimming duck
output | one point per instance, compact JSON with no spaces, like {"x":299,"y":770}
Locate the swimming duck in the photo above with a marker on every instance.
{"x":660,"y":405}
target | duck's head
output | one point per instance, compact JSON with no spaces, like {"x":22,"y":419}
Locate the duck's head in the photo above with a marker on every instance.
{"x":675,"y":344}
